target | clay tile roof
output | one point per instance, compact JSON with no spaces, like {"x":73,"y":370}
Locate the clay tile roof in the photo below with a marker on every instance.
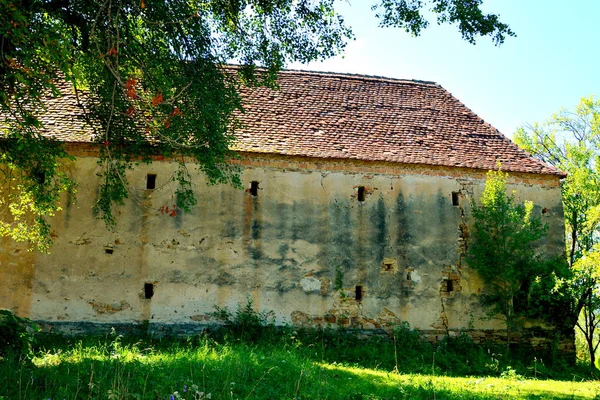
{"x":340,"y":116}
{"x":330,"y":115}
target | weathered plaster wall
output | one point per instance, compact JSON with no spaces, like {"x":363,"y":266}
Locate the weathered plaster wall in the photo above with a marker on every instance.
{"x":304,"y":247}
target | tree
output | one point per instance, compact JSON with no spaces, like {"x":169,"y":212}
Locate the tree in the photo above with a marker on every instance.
{"x":148,"y":75}
{"x":571,"y":142}
{"x":586,"y":275}
{"x":502,"y":250}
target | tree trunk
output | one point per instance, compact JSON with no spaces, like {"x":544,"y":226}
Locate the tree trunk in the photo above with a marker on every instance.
{"x":588,"y":329}
{"x":509,"y":304}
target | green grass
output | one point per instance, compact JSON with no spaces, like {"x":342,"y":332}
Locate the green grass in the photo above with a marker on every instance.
{"x":283,"y":364}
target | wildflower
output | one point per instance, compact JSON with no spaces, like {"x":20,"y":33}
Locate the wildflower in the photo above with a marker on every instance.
{"x":184,"y":388}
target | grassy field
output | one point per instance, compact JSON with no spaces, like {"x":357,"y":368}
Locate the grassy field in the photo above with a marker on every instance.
{"x":284,"y":364}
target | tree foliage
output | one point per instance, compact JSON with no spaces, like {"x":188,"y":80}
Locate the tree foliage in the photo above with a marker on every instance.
{"x":570,"y":140}
{"x":503,"y":250}
{"x":150,"y":80}
{"x":471,"y":20}
{"x":16,"y":335}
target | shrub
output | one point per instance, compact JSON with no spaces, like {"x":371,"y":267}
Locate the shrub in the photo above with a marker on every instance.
{"x":16,"y":335}
{"x":460,"y":356}
{"x":246,"y":323}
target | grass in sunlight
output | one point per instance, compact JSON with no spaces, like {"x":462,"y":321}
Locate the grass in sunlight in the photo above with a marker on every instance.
{"x":426,"y":386}
{"x":282,"y":364}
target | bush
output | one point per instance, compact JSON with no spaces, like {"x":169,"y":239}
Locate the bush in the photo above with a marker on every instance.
{"x":247,"y":324}
{"x":16,"y":335}
{"x":461,"y":356}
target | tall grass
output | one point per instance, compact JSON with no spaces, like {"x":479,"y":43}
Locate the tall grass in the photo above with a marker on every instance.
{"x":282,"y":363}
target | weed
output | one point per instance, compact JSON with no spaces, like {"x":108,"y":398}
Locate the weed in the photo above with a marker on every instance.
{"x":279,"y":363}
{"x":190,"y":392}
{"x":339,"y":278}
{"x":510,"y":373}
{"x":246,"y":323}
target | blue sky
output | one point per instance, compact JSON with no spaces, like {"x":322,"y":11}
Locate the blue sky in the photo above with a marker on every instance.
{"x":551,"y":64}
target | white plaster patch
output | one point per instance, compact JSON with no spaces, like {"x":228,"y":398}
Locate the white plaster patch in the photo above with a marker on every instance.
{"x":415,"y":277}
{"x":310,"y":284}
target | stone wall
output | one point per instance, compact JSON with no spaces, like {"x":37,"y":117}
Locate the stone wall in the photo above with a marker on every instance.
{"x":318,"y":242}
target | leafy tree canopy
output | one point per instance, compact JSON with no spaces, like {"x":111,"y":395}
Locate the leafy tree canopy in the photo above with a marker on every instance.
{"x":148,"y":76}
{"x":570,"y":140}
{"x":503,"y":250}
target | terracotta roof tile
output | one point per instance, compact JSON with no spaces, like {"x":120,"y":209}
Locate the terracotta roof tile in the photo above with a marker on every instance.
{"x":63,"y":118}
{"x":329,"y":115}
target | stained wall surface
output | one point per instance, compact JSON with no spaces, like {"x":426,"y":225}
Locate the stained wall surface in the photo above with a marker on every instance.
{"x":341,"y":243}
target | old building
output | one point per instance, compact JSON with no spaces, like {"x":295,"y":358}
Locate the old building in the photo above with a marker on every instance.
{"x":355,"y":213}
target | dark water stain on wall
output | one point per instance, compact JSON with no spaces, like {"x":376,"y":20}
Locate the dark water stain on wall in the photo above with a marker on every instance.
{"x":432,"y":227}
{"x":447,"y":221}
{"x":68,"y":207}
{"x":361,"y":231}
{"x":178,"y":218}
{"x":380,"y":240}
{"x":252,"y":226}
{"x":334,"y":254}
{"x":231,"y":225}
{"x":305,"y":222}
{"x":403,"y":236}
{"x":283,"y":219}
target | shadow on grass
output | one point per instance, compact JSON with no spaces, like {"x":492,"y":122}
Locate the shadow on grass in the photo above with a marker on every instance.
{"x":238,"y":370}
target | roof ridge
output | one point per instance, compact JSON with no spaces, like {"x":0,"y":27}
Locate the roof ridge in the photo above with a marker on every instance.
{"x":357,"y":76}
{"x":350,"y":75}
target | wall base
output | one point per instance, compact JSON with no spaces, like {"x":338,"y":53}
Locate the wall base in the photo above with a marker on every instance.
{"x":542,"y":343}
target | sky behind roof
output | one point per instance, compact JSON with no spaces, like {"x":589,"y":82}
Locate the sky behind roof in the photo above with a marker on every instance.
{"x":551,"y":64}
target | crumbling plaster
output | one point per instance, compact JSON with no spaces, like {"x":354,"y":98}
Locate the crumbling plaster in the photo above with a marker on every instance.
{"x":299,"y":248}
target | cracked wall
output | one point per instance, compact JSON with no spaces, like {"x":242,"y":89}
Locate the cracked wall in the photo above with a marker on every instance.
{"x":305,"y":242}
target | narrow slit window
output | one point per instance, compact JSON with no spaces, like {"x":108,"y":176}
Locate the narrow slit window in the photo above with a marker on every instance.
{"x":109,"y":250}
{"x":408,"y":277}
{"x":455,"y":199}
{"x":361,"y":193}
{"x":254,"y":188}
{"x":358,"y":295}
{"x":449,"y":285}
{"x":151,"y":181}
{"x":148,"y":290}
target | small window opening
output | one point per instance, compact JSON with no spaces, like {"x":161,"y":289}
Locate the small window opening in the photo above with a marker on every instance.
{"x":408,"y":277}
{"x":449,"y":285}
{"x":151,"y":181}
{"x":254,"y":188}
{"x":358,"y":293}
{"x":148,"y":290}
{"x":109,"y":250}
{"x":389,"y":265}
{"x":361,"y":193}
{"x":545,"y":211}
{"x":455,"y":199}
